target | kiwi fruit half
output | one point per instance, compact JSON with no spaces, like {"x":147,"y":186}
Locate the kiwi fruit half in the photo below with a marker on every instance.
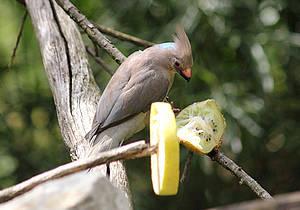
{"x":201,"y":126}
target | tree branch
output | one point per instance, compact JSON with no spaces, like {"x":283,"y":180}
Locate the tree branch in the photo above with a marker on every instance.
{"x":18,"y":40}
{"x":99,"y":60}
{"x":123,"y":36}
{"x":21,"y":2}
{"x":289,"y":201}
{"x":228,"y":164}
{"x":134,"y":150}
{"x":186,"y":166}
{"x":91,"y":30}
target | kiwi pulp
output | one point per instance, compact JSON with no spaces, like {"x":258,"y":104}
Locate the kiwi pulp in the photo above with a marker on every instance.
{"x":201,"y":126}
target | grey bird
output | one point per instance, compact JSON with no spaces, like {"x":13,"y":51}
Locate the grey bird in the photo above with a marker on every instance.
{"x":143,"y":78}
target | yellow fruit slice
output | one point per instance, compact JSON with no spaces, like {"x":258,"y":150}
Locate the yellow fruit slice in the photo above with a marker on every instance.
{"x":165,"y":163}
{"x":201,"y":126}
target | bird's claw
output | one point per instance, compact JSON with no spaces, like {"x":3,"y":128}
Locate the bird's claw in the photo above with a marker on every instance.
{"x":175,"y":110}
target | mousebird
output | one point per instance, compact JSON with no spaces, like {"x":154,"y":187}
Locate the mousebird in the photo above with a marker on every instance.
{"x":143,"y":78}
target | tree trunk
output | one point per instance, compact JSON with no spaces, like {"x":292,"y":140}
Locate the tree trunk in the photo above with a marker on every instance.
{"x":72,"y":83}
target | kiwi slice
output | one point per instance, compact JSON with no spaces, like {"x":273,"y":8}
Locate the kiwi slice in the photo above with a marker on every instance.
{"x":201,"y":126}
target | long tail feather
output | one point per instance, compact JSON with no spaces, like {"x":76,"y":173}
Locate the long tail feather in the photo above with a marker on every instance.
{"x":89,"y":136}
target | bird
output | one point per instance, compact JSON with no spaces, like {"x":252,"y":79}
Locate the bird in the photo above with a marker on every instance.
{"x":143,"y":78}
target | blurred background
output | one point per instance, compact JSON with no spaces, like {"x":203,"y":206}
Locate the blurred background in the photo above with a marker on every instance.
{"x":246,"y":56}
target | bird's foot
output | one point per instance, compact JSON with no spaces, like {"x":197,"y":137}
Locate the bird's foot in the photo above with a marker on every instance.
{"x":175,"y":110}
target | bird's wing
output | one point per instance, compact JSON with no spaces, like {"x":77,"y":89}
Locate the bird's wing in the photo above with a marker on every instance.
{"x":127,"y":94}
{"x":141,"y":90}
{"x":111,"y":94}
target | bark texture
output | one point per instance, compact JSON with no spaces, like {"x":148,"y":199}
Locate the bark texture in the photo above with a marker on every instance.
{"x":74,"y":89}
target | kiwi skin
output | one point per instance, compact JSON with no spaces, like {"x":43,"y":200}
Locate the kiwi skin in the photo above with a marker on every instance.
{"x":194,"y":148}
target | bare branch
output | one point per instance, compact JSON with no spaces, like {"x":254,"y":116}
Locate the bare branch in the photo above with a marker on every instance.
{"x":186,"y":166}
{"x":123,"y":36}
{"x":18,"y":40}
{"x":228,"y":164}
{"x":134,"y":150}
{"x":289,"y":201}
{"x":91,"y":31}
{"x":99,"y":60}
{"x":95,"y":48}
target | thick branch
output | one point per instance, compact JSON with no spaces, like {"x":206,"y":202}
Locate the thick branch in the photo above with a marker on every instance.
{"x":123,"y":36}
{"x":134,"y":150}
{"x":228,"y":164}
{"x":66,"y":65}
{"x":72,"y":83}
{"x":91,"y":30}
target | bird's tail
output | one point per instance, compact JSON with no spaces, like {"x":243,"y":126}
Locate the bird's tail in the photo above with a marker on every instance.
{"x":89,"y":136}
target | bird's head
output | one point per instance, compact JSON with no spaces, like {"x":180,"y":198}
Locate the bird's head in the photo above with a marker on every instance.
{"x":180,"y":57}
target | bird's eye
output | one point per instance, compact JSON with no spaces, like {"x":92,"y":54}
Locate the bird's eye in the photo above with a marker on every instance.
{"x":177,"y":64}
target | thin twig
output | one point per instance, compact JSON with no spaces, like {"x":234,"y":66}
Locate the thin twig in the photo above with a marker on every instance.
{"x":91,"y":30}
{"x":186,"y":166}
{"x":228,"y":164}
{"x":99,"y":60}
{"x":17,"y":42}
{"x":130,"y":151}
{"x":123,"y":36}
{"x":95,"y":48}
{"x":21,"y":2}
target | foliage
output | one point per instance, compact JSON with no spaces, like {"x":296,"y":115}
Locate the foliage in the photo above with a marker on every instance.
{"x":246,"y":56}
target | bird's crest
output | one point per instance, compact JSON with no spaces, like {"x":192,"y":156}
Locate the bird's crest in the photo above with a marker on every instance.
{"x":183,"y":46}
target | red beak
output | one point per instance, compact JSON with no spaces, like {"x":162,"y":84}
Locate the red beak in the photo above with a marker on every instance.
{"x":186,"y":74}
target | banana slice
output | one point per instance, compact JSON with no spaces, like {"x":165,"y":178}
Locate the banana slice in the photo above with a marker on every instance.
{"x":165,"y":163}
{"x":201,"y":126}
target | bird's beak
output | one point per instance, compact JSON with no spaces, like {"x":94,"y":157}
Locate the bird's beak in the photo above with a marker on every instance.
{"x":186,"y":74}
